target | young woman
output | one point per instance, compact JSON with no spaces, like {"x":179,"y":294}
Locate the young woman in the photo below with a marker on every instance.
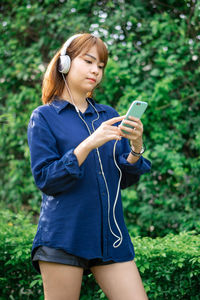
{"x":79,"y":159}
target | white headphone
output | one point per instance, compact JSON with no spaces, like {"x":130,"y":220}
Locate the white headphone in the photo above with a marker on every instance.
{"x":65,"y":60}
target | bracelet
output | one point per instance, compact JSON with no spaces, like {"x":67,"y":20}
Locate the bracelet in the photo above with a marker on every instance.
{"x":141,"y":152}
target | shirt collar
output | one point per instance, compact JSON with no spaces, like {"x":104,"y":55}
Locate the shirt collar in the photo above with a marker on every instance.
{"x":59,"y":104}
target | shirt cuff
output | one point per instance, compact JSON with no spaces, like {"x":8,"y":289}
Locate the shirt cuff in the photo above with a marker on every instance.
{"x":141,"y":166}
{"x":70,"y":162}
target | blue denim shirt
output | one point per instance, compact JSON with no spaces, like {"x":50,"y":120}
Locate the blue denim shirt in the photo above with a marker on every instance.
{"x":74,"y":210}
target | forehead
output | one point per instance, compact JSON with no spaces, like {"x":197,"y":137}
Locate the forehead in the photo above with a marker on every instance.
{"x":92,"y":53}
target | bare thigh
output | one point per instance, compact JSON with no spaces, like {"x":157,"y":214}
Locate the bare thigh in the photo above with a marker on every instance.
{"x":120,"y":281}
{"x":61,"y":282}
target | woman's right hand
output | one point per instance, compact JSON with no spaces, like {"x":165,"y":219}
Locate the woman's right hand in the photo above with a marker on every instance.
{"x":105,"y":132}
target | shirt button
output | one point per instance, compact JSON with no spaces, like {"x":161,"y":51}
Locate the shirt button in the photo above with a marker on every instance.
{"x":99,"y":172}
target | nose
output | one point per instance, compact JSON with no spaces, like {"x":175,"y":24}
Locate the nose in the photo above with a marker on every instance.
{"x":95,"y":69}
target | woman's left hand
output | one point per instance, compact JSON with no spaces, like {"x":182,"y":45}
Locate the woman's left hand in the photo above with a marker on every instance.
{"x":134,"y":134}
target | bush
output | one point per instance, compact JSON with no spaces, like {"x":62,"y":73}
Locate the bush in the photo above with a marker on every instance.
{"x":17,"y":277}
{"x":169,"y":266}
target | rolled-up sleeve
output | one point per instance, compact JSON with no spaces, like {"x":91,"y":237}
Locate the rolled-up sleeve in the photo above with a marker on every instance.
{"x":131,"y":172}
{"x":52,"y":172}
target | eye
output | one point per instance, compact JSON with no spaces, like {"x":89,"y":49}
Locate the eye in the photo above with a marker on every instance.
{"x":88,"y":61}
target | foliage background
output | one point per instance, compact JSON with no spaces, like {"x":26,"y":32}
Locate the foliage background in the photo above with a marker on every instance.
{"x":153,"y":56}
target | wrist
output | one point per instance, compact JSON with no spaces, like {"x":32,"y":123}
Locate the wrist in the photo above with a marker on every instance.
{"x":138,"y":151}
{"x":137,"y":147}
{"x":88,"y":144}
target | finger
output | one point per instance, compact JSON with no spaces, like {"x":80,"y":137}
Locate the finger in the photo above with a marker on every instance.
{"x":125,"y":128}
{"x":138,"y":121}
{"x":134,"y":119}
{"x":110,"y":129}
{"x":130,"y":136}
{"x":114,"y":130}
{"x":131,"y":123}
{"x":114,"y":137}
{"x":132,"y":126}
{"x":114,"y":120}
{"x":128,"y":130}
{"x":131,"y":132}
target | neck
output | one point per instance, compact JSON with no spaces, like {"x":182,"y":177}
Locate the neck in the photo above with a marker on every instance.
{"x":76,"y":96}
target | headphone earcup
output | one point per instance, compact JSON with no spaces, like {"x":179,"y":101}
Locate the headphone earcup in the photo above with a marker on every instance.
{"x":64,"y":64}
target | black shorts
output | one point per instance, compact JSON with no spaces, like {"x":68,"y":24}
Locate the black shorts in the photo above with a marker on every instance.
{"x":60,"y":256}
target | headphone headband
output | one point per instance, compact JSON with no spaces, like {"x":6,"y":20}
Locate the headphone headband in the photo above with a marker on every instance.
{"x":67,"y":43}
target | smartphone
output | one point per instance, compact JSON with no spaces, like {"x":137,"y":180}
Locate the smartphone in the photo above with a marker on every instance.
{"x":136,"y":110}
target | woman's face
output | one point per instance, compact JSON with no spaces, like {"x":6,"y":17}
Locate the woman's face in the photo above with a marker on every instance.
{"x":86,"y":71}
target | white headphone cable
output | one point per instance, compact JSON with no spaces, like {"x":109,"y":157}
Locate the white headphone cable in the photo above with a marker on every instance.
{"x":120,"y":238}
{"x":116,"y":197}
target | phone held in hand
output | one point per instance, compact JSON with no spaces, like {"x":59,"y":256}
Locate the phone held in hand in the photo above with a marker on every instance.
{"x":136,"y":110}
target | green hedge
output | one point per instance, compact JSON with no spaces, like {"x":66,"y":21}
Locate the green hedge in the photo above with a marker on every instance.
{"x":169,"y":266}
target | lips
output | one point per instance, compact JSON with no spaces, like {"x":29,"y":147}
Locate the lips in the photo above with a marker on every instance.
{"x":92,"y":79}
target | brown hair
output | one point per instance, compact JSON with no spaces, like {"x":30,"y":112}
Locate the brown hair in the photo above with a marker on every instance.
{"x":53,"y":83}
